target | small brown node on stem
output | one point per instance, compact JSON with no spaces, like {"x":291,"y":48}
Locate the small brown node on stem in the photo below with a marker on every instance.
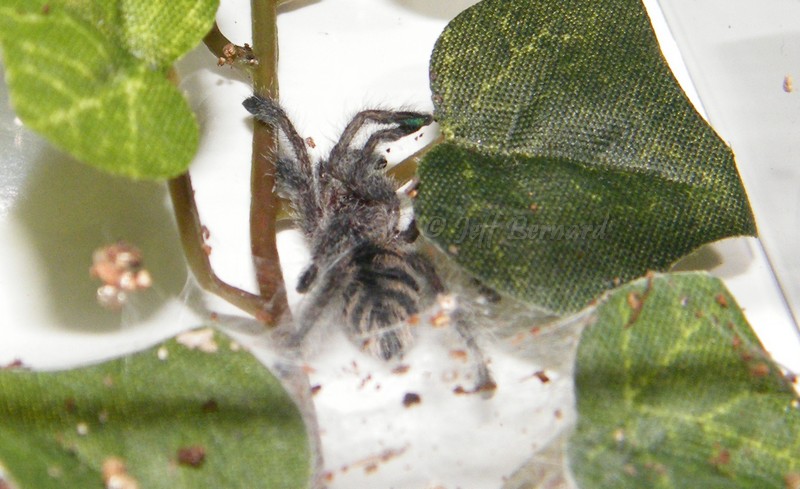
{"x":240,"y":55}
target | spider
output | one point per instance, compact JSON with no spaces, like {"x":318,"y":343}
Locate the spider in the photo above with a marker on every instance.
{"x":349,"y":212}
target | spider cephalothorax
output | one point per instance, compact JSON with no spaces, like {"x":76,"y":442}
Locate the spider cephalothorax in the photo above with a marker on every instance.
{"x":348,"y":209}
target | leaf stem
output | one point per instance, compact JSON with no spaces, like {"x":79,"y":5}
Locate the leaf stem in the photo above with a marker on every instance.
{"x":191,"y":232}
{"x":264,"y":204}
{"x":216,"y":41}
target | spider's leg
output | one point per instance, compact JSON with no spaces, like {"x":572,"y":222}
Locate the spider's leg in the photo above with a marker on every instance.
{"x":406,"y":122}
{"x":485,"y":383}
{"x":410,"y":233}
{"x":269,"y":112}
{"x":317,"y":303}
{"x":294,"y":176}
{"x":421,"y":265}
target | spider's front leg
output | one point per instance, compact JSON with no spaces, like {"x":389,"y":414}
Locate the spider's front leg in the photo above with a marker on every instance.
{"x":404,"y":123}
{"x":360,"y":168}
{"x":294,"y":176}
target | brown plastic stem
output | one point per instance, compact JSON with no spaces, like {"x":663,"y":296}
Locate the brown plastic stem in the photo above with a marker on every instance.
{"x":264,"y":204}
{"x":215,"y":41}
{"x":191,"y":233}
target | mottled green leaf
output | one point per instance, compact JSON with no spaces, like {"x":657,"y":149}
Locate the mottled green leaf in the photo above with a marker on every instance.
{"x":572,"y":159}
{"x":92,"y":78}
{"x":57,"y":428}
{"x":161,"y":32}
{"x":674,"y":391}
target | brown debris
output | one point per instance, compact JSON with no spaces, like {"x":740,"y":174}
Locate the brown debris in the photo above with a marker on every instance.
{"x":636,"y":301}
{"x":542,"y":376}
{"x":759,"y":370}
{"x":411,"y":398}
{"x":721,"y":457}
{"x":13,"y":364}
{"x":401,"y":369}
{"x":116,"y":476}
{"x":485,"y":388}
{"x":440,"y":319}
{"x":121,"y":269}
{"x":792,"y":480}
{"x":199,"y":339}
{"x":193,"y":456}
{"x":210,"y":406}
{"x":459,"y":355}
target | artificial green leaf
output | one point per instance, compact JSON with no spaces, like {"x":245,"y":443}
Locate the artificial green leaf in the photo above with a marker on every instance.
{"x":92,"y":78}
{"x":674,"y":390}
{"x":572,"y":159}
{"x":161,"y":32}
{"x":58,"y":428}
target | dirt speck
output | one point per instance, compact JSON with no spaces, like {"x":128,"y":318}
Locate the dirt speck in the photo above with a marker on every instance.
{"x":459,"y":355}
{"x":440,"y":319}
{"x":759,"y":369}
{"x":411,"y":398}
{"x":12,"y":365}
{"x":401,"y":369}
{"x":199,"y":339}
{"x":116,"y":476}
{"x":193,"y":456}
{"x":70,"y":405}
{"x":721,"y":457}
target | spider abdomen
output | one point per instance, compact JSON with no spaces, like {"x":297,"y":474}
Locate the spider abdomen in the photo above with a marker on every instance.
{"x":383,"y":291}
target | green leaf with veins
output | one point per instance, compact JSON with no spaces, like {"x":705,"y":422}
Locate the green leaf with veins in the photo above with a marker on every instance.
{"x":92,"y":78}
{"x":572,"y":160}
{"x":674,"y":390}
{"x":57,"y":428}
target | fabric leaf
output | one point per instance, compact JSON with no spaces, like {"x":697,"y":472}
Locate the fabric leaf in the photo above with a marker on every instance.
{"x":572,"y":160}
{"x":674,"y":390}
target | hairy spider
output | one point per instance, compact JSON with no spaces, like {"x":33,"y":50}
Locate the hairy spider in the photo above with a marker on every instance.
{"x":349,"y":212}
